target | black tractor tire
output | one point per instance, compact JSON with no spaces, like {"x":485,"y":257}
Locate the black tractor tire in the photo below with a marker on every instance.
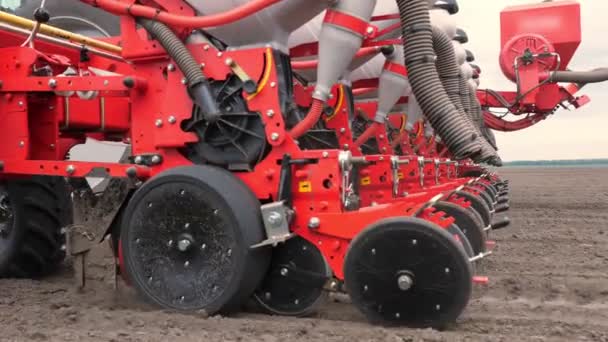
{"x":32,"y":241}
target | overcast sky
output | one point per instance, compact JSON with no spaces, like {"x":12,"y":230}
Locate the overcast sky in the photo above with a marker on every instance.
{"x":566,"y":135}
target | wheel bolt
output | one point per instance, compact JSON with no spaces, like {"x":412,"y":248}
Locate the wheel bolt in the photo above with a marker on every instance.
{"x":284,"y":272}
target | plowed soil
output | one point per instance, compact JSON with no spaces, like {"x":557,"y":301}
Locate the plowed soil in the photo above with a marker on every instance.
{"x":548,"y":281}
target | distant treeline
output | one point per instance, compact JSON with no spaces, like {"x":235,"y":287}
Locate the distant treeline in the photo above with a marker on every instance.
{"x":572,"y":162}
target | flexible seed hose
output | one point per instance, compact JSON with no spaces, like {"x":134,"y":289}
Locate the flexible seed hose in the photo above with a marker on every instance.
{"x":447,"y":66}
{"x":368,"y":134}
{"x":197,"y":82}
{"x":458,"y":91}
{"x":420,"y":61}
{"x":313,"y":116}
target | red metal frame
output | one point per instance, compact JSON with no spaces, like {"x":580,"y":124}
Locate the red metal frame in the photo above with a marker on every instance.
{"x":46,"y":115}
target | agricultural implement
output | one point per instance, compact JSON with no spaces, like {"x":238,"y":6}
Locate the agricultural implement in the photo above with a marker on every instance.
{"x":276,"y":151}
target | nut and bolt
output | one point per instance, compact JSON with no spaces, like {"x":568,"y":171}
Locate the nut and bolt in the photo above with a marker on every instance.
{"x":314,"y":223}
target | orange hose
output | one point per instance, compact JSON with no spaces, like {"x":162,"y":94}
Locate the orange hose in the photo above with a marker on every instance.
{"x":369,"y":132}
{"x":237,"y":13}
{"x":313,"y":116}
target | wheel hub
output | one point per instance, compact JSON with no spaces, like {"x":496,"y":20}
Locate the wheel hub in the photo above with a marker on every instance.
{"x":405,"y":281}
{"x":185,"y":242}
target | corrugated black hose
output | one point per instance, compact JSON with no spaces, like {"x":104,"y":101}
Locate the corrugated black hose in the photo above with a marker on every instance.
{"x":420,"y":61}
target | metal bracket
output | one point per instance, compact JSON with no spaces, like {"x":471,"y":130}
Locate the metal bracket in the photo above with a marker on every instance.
{"x":480,"y":256}
{"x":276,"y":218}
{"x":396,"y":162}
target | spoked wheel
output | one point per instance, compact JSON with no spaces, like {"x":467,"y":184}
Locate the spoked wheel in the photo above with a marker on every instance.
{"x":478,"y":205}
{"x":294,"y":284}
{"x":406,"y":271}
{"x":186,"y":237}
{"x":467,"y":223}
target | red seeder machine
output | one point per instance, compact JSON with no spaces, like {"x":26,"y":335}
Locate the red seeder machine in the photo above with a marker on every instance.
{"x":277,"y":150}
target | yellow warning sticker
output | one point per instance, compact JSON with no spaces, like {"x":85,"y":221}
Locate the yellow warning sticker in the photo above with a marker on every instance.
{"x":400,"y":175}
{"x":366,"y":180}
{"x":305,"y":186}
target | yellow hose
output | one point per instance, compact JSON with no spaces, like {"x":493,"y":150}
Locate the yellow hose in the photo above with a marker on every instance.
{"x":59,"y":33}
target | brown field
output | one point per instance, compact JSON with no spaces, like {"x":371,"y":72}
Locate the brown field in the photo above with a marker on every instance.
{"x":548,"y":281}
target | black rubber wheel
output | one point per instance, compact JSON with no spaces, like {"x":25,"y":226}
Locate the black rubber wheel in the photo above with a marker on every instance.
{"x":407,"y":271}
{"x":479,"y":205}
{"x":467,"y":224}
{"x":186,"y":236}
{"x":33,"y":212}
{"x":294,"y":284}
{"x":489,"y":189}
{"x":458,"y":234}
{"x":489,"y":201}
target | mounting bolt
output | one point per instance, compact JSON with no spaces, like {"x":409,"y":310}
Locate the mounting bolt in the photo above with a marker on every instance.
{"x":274,"y":136}
{"x":229,"y":62}
{"x":70,"y":169}
{"x":270,"y":113}
{"x":342,"y":130}
{"x":325,"y":154}
{"x":346,"y":147}
{"x":314,"y":223}
{"x":273,"y":84}
{"x":156,"y":159}
{"x":53,"y":83}
{"x":138,"y":160}
{"x":132,"y":172}
{"x":21,"y":143}
{"x":275,"y":218}
{"x":184,"y":81}
{"x":172,"y":119}
{"x":171,"y":67}
{"x":369,"y":30}
{"x":203,"y":65}
{"x":20,"y":103}
{"x":158,"y":123}
{"x":219,"y":54}
{"x":187,"y":263}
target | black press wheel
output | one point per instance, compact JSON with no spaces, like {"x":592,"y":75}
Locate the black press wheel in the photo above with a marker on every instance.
{"x":186,"y":237}
{"x":33,"y":212}
{"x":294,"y":284}
{"x":488,"y":189}
{"x":478,"y":205}
{"x":467,"y":223}
{"x":406,"y":271}
{"x":486,"y":197}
